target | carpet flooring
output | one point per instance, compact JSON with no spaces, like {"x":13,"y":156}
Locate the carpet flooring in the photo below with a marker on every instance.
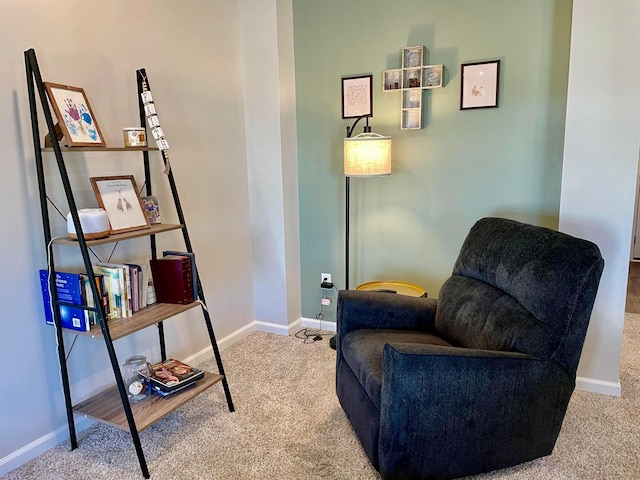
{"x":288,"y":425}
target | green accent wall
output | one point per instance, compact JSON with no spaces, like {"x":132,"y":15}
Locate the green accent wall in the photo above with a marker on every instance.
{"x":461,"y":166}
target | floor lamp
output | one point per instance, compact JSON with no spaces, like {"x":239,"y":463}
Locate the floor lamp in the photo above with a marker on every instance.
{"x":365,"y":155}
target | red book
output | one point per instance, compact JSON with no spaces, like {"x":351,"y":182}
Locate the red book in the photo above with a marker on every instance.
{"x":172,"y":279}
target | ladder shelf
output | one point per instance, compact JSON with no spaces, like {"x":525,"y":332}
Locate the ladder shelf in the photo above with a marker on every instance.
{"x":112,"y":406}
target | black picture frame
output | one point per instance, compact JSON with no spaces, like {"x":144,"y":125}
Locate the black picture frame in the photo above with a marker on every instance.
{"x":479,"y":85}
{"x":357,"y":96}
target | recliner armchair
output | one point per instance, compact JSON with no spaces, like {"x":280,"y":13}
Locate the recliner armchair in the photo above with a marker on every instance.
{"x":480,"y":378}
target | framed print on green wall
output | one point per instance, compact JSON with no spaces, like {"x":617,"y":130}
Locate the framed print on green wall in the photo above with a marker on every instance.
{"x":479,"y":85}
{"x":357,"y":96}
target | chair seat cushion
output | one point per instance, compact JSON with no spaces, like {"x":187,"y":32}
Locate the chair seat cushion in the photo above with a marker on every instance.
{"x":362,"y":350}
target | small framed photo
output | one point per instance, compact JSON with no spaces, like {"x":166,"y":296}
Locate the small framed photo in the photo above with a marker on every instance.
{"x":119,"y":197}
{"x":479,"y":85}
{"x":151,"y":208}
{"x":357,"y":96}
{"x":74,"y":114}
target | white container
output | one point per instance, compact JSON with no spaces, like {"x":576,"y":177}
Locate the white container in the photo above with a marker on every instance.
{"x":94,"y":222}
{"x":134,"y":137}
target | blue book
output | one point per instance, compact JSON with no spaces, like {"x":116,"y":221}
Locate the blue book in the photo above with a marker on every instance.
{"x":194,"y":271}
{"x":69,"y":288}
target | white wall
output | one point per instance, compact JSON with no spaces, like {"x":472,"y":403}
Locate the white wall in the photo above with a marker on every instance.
{"x":269,"y":105}
{"x":191,"y":51}
{"x":600,"y":164}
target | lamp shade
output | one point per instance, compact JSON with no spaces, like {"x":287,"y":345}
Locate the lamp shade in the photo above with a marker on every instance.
{"x":367,"y":154}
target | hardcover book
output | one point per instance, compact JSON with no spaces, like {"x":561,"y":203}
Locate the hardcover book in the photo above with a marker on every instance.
{"x":172,"y":375}
{"x":135,"y":272}
{"x":194,"y":270}
{"x":172,"y":279}
{"x":69,"y":289}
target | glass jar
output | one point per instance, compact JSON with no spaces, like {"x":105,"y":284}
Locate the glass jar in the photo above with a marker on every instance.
{"x":135,"y":375}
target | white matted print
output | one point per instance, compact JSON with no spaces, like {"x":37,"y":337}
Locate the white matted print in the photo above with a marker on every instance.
{"x":357,"y":96}
{"x":120,"y":198}
{"x":479,"y":85}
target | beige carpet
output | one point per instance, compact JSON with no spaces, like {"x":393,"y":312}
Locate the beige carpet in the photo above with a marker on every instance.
{"x":288,"y":425}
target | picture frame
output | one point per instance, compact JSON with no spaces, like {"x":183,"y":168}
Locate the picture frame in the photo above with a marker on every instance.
{"x":151,"y":208}
{"x":75,"y":116}
{"x":119,"y":197}
{"x":357,"y":96}
{"x":479,"y":85}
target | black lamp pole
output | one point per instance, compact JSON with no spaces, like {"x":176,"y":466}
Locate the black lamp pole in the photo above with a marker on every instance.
{"x":367,"y":129}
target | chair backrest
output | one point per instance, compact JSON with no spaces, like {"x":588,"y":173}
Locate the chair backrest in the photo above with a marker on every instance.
{"x":520,"y":287}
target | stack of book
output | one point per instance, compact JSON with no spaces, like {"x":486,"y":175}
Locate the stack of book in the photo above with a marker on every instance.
{"x":123,"y":288}
{"x":122,"y":291}
{"x":172,"y":376}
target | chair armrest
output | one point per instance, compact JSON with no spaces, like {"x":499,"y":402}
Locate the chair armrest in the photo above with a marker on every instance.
{"x":471,"y":404}
{"x":365,"y":309}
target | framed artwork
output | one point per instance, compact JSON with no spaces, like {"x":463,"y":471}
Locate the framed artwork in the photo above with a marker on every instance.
{"x":151,"y":208}
{"x":357,"y":96}
{"x":119,"y":197}
{"x":74,"y":114}
{"x":479,"y":85}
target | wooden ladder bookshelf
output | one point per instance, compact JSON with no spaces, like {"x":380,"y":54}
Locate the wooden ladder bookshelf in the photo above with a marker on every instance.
{"x":112,"y":406}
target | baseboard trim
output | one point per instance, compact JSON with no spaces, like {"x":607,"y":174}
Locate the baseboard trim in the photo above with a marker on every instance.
{"x":272,"y":327}
{"x":225,"y":342}
{"x":319,"y":324}
{"x":41,"y":445}
{"x":593,"y":385}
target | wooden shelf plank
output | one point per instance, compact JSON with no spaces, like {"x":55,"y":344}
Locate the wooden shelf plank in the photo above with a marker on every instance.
{"x":143,"y":318}
{"x":145,"y":232}
{"x":107,"y":406}
{"x":102,"y":149}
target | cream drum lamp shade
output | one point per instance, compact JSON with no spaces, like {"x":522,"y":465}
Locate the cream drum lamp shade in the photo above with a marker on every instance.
{"x":367,"y":154}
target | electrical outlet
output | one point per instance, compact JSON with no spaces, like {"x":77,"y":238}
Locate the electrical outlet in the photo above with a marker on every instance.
{"x":325,"y":277}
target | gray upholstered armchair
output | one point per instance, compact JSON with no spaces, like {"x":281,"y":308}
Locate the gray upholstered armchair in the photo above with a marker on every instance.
{"x":479,"y":379}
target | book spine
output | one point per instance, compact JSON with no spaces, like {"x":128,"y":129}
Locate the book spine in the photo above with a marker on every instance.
{"x":187,"y":280}
{"x":101,"y":281}
{"x":87,"y":295}
{"x":134,"y":288}
{"x":126,"y":288}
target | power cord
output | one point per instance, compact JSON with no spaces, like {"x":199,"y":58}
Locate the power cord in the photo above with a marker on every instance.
{"x":312,"y":335}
